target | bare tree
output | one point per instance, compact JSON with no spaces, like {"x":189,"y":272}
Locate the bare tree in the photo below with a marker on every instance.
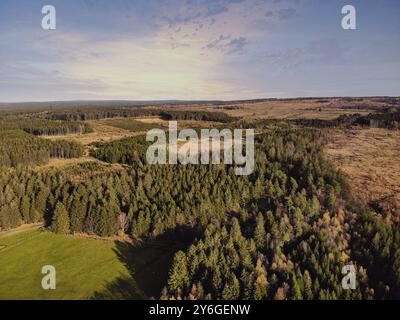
{"x":123,"y":221}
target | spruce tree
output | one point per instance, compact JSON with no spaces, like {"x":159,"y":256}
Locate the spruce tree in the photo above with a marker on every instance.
{"x":259,"y":234}
{"x":78,"y":213}
{"x":232,"y":288}
{"x":60,"y":222}
{"x":179,"y":275}
{"x":25,"y":209}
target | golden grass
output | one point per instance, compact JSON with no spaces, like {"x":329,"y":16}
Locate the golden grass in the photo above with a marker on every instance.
{"x":102,"y":133}
{"x":157,"y":121}
{"x":329,"y":108}
{"x":370,"y":157}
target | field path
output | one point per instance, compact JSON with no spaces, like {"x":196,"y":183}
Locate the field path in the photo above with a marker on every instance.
{"x":22,"y":228}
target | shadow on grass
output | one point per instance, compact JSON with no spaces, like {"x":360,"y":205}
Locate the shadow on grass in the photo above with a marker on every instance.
{"x":148,"y":265}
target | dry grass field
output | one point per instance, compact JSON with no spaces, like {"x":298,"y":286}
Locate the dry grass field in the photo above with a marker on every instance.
{"x":102,"y":132}
{"x":329,"y":108}
{"x":80,"y":169}
{"x":157,"y":122}
{"x":370,"y":157}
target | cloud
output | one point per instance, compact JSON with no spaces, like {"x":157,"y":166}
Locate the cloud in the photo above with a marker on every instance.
{"x":227,"y":27}
{"x":227,"y":44}
{"x":157,"y":50}
{"x":147,"y":69}
{"x":324,"y":51}
{"x":195,"y":11}
{"x":282,"y":14}
{"x":285,"y":14}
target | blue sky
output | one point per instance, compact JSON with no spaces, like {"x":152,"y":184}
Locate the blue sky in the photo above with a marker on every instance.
{"x":197,"y":49}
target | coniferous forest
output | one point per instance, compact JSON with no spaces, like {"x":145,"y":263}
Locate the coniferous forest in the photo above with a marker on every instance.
{"x":283,"y":232}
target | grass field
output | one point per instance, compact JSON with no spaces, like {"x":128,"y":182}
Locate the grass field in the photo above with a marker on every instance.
{"x":86,"y":268}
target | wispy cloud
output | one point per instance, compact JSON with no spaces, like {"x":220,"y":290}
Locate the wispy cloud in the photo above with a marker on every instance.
{"x":228,"y":45}
{"x":186,"y":49}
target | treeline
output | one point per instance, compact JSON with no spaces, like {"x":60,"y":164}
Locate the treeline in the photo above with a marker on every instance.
{"x":388,"y":120}
{"x":43,"y":127}
{"x":96,"y":114}
{"x":343,"y":120}
{"x":54,"y":128}
{"x":18,"y":148}
{"x":197,"y":115}
{"x":101,"y":113}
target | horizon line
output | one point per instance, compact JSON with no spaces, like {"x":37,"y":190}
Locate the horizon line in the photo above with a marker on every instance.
{"x":193,"y":101}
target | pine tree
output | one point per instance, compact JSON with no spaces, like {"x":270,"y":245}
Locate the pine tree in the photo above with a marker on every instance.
{"x":25,"y":209}
{"x":308,"y":294}
{"x":5,"y":218}
{"x":15,"y":217}
{"x":231,"y":289}
{"x":60,"y":222}
{"x":259,"y":234}
{"x":78,"y":213}
{"x":105,"y":222}
{"x":141,"y":225}
{"x":179,"y":275}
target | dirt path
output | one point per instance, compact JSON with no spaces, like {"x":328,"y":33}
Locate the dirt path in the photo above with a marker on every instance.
{"x":22,"y":228}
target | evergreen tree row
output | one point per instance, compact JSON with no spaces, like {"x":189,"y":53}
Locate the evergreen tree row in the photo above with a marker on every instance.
{"x":102,"y":113}
{"x":43,"y":127}
{"x":19,"y":148}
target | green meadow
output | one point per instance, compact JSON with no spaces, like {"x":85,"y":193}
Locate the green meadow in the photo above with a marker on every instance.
{"x":85,"y":268}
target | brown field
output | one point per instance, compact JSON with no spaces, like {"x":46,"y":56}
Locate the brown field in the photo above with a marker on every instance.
{"x":329,"y":108}
{"x":156,"y":121}
{"x":370,"y":157}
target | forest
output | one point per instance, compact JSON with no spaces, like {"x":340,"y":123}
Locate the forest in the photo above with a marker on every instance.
{"x":42,"y":127}
{"x":284,"y":232}
{"x":18,"y":148}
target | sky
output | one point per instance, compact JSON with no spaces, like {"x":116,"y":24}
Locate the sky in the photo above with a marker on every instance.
{"x":197,"y":50}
